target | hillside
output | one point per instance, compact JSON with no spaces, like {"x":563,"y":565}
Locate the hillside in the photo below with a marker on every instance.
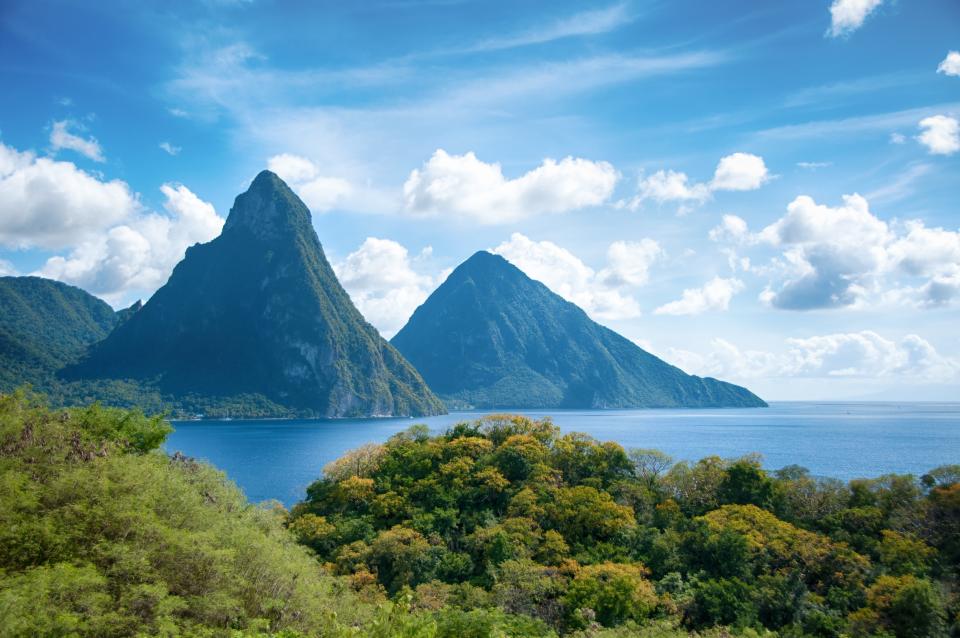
{"x":258,"y":314}
{"x":44,"y":325}
{"x":491,"y":337}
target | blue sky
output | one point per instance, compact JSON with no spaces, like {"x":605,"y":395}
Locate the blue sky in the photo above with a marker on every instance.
{"x":763,"y":192}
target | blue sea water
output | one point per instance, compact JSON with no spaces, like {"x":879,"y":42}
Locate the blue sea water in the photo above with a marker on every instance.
{"x":278,"y":459}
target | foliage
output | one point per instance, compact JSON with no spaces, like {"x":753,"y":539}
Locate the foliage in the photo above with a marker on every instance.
{"x":507,"y":518}
{"x":102,"y":535}
{"x":498,"y":527}
{"x":45,"y":324}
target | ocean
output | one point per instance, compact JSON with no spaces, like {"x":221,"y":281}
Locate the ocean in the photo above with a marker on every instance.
{"x":278,"y":459}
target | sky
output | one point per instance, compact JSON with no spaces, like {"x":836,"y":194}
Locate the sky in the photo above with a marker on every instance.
{"x":767,"y":193}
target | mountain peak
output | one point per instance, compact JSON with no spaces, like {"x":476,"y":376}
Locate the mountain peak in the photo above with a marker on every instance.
{"x":492,"y":337}
{"x":489,"y":269}
{"x":269,"y":209}
{"x":258,"y":317}
{"x":485,"y":258}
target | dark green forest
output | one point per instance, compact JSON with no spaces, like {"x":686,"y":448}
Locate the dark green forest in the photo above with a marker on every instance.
{"x":575,"y":535}
{"x":499,"y":527}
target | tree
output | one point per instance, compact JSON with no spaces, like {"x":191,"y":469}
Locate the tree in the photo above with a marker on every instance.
{"x":649,"y":465}
{"x":401,"y":557}
{"x":360,"y":462}
{"x":584,"y":514}
{"x":905,"y":554}
{"x":612,"y":592}
{"x":907,"y":606}
{"x":721,"y":602}
{"x":745,"y":483}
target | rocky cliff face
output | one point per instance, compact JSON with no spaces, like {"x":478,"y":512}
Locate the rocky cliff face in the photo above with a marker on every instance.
{"x":491,"y":337}
{"x":259,"y":310}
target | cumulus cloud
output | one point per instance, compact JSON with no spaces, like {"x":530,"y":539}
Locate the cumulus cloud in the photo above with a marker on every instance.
{"x":602,"y":294}
{"x":739,"y":172}
{"x":898,"y":138}
{"x":715,"y":295}
{"x":320,"y":193}
{"x":136,"y":257}
{"x":383,"y":284}
{"x":838,"y":256}
{"x":950,"y":64}
{"x":671,"y":186}
{"x":940,"y":134}
{"x":736,"y":172}
{"x":831,"y":252}
{"x":846,"y":16}
{"x":465,"y":186}
{"x":864,"y":354}
{"x":629,"y":262}
{"x":62,"y":138}
{"x":170,"y":149}
{"x":731,"y":229}
{"x":52,"y":204}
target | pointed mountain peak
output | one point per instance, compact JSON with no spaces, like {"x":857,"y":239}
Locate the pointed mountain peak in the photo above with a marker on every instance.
{"x":492,"y":337}
{"x":484,"y":263}
{"x":484,"y":258}
{"x":269,"y":209}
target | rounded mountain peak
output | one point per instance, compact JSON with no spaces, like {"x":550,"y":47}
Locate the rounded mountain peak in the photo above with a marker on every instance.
{"x":269,"y":209}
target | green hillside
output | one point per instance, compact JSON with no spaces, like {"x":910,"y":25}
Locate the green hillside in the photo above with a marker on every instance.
{"x":491,"y":337}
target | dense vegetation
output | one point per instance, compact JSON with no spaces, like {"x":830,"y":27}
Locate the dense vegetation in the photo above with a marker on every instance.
{"x":44,"y":325}
{"x":500,"y":527}
{"x":491,"y":337}
{"x":102,"y":535}
{"x":504,"y":521}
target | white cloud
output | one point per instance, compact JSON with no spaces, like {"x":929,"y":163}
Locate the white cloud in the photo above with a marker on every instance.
{"x":7,"y":269}
{"x":950,"y":64}
{"x":924,"y":251}
{"x":292,"y":168}
{"x":601,"y":294}
{"x":135,"y":258}
{"x":739,"y":172}
{"x":941,"y":134}
{"x":320,"y":193}
{"x":843,"y":256}
{"x":671,"y":186}
{"x":807,"y":222}
{"x":898,"y":138}
{"x":846,"y":16}
{"x":864,"y":354}
{"x":812,"y":166}
{"x":715,"y":295}
{"x":831,"y":252}
{"x":61,"y":138}
{"x":53,"y":204}
{"x":170,"y":149}
{"x":732,"y":229}
{"x":380,"y":278}
{"x":629,"y":262}
{"x":591,"y":22}
{"x":464,"y":186}
{"x":736,"y":172}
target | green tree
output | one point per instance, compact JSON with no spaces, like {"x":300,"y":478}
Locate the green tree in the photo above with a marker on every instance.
{"x":611,"y":593}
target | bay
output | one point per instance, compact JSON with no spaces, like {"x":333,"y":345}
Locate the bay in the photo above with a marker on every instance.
{"x":278,"y":459}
